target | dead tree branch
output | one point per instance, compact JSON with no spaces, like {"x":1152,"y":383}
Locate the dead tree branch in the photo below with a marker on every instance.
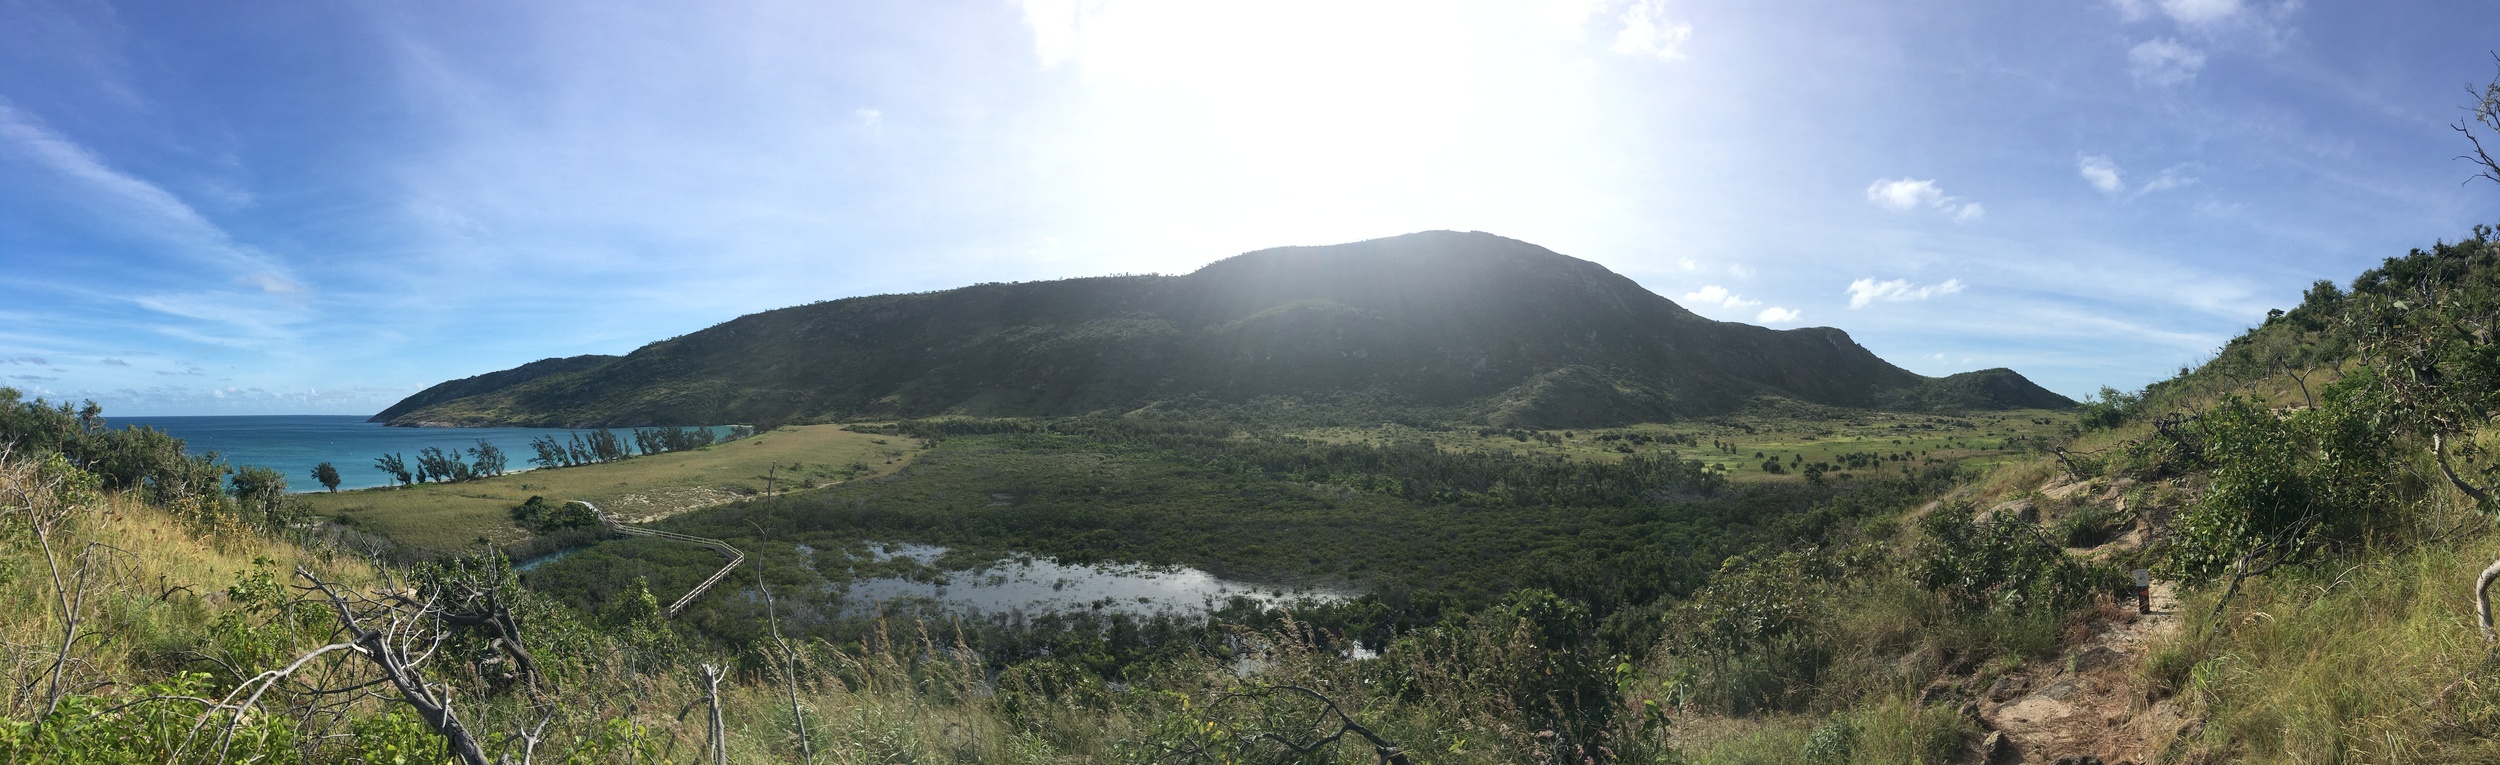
{"x":2485,"y":113}
{"x":397,"y":631}
{"x":1328,"y":725}
{"x":711,"y":697}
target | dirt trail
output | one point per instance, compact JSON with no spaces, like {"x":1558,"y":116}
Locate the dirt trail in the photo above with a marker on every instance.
{"x":2088,"y":706}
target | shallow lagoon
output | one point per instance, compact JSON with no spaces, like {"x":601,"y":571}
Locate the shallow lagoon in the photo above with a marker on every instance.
{"x":1031,"y":585}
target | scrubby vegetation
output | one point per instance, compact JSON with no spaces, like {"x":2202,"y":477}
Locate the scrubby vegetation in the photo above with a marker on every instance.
{"x":2315,"y":504}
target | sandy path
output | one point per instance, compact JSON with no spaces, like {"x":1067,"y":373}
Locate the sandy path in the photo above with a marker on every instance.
{"x":2090,"y":704}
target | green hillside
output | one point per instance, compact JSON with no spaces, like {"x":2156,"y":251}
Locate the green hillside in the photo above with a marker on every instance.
{"x":2314,"y":506}
{"x":1440,"y":325}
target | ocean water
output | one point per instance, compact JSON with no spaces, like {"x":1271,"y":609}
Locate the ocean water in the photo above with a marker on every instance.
{"x":294,"y":443}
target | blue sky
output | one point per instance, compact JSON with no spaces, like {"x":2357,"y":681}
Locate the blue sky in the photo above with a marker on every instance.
{"x":322,"y":207}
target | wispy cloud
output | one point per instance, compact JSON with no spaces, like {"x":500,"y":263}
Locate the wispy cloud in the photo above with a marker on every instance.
{"x":2211,"y":15}
{"x":2103,"y":174}
{"x":2164,"y":62}
{"x":1868,"y":290}
{"x":2185,"y":12}
{"x":1905,"y":194}
{"x":1647,"y":31}
{"x":1058,"y":27}
{"x":2170,"y":178}
{"x":114,"y":363}
{"x":30,"y":360}
{"x":269,"y":300}
{"x":134,"y":202}
{"x":1777,"y":315}
{"x":1719,"y":296}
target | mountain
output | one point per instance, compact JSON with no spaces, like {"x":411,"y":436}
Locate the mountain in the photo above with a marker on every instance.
{"x":1472,"y":325}
{"x":489,"y":383}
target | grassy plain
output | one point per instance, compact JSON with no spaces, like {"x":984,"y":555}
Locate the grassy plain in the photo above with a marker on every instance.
{"x":451,"y":516}
{"x":1978,"y":440}
{"x":1426,"y":517}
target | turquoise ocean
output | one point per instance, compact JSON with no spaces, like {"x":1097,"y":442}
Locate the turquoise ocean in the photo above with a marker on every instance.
{"x":294,"y":443}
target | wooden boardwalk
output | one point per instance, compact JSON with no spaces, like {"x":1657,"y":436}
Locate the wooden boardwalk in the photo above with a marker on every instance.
{"x":735,"y":557}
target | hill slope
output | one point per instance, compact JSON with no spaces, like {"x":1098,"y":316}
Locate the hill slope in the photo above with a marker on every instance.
{"x":1469,"y":323}
{"x":489,"y":383}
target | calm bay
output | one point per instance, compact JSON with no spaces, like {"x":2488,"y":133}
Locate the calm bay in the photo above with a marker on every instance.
{"x":293,"y":443}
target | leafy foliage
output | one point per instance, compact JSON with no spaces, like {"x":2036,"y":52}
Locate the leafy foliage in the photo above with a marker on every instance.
{"x":130,"y":458}
{"x":539,"y":515}
{"x":2002,"y":563}
{"x":2284,"y":486}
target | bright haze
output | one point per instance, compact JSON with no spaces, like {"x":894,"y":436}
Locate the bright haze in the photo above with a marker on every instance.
{"x":322,"y":207}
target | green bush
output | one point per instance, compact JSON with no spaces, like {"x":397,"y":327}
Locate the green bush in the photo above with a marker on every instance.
{"x":2089,"y":526}
{"x":539,"y":515}
{"x":2284,"y":487}
{"x":2002,"y":563}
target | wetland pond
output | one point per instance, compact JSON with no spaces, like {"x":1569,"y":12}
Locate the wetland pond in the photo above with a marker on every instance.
{"x":1035,"y":585}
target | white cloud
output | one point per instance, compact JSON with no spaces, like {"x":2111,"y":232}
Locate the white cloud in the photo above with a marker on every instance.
{"x":2101,"y":173}
{"x":1740,"y":270}
{"x":1058,"y":27}
{"x":1868,"y":290}
{"x":2168,"y":179}
{"x":135,"y":203}
{"x":872,"y":120}
{"x":1904,"y":194}
{"x":1716,"y":295}
{"x":1776,"y":315}
{"x":1688,"y":264}
{"x":2164,"y":62}
{"x":1648,"y":32}
{"x":2200,"y":11}
{"x":2185,"y":12}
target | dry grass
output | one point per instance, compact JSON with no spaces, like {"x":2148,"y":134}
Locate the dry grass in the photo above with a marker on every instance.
{"x":452,"y":516}
{"x":146,"y":583}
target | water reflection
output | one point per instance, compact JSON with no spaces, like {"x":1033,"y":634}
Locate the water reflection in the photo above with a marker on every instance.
{"x":1032,"y":585}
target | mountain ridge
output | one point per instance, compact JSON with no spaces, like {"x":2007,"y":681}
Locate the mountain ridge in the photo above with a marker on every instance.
{"x":1473,"y":325}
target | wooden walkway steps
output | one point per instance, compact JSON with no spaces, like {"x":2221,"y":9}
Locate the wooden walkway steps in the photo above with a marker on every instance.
{"x":735,"y":557}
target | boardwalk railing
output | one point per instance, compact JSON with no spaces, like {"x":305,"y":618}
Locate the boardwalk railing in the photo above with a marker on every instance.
{"x":735,"y":557}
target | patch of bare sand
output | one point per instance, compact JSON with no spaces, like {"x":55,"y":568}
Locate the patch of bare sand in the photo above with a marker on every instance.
{"x":653,"y":505}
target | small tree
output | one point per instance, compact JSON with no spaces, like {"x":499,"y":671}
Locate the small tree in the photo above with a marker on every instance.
{"x":261,"y":493}
{"x":487,"y":460}
{"x":394,"y":465}
{"x":551,"y":453}
{"x":327,"y":475}
{"x":2427,"y":335}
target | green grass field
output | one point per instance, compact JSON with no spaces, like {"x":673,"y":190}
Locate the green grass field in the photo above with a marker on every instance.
{"x":1977,"y":440}
{"x":448,"y":516}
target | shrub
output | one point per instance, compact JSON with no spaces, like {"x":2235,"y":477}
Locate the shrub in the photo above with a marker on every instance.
{"x":2089,"y":526}
{"x":539,"y":515}
{"x":2002,"y":563}
{"x":2284,"y":487}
